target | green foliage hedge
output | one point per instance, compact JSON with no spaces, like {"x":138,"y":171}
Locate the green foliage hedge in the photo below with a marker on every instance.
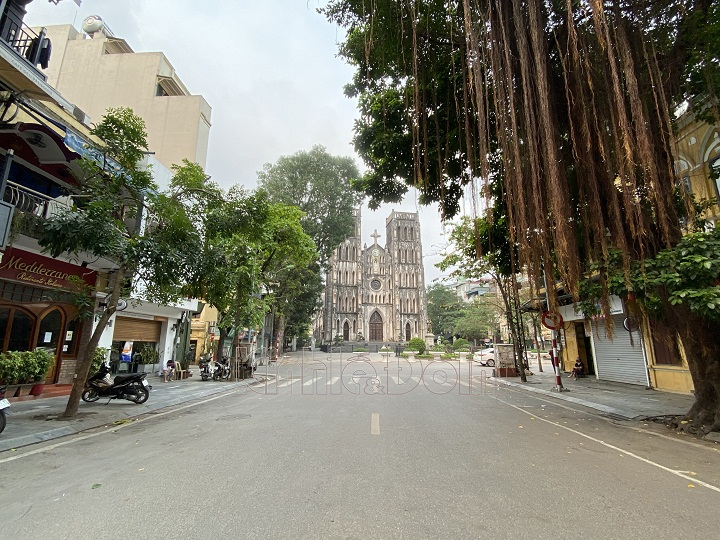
{"x":416,"y":344}
{"x":18,"y":367}
{"x":461,"y":343}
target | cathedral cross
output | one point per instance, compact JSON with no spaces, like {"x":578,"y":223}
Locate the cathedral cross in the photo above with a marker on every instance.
{"x":375,"y":235}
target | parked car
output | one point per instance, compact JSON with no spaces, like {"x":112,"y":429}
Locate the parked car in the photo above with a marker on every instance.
{"x":485,"y":357}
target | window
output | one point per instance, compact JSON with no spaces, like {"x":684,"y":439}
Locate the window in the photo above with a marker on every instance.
{"x":715,"y":174}
{"x":18,"y":329}
{"x":50,"y":328}
{"x":665,"y":344}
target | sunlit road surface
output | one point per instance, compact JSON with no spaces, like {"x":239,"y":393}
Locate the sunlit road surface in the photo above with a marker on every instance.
{"x":348,"y":448}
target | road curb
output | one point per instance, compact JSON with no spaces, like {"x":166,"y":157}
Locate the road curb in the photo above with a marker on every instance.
{"x":76,"y":426}
{"x":565,"y":397}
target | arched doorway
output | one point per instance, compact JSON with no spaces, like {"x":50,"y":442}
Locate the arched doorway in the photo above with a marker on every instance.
{"x":408,"y":335}
{"x":346,"y":331}
{"x":376,"y":327}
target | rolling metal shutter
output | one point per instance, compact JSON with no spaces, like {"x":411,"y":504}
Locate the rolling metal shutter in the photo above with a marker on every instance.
{"x":619,"y":360}
{"x":127,"y":329}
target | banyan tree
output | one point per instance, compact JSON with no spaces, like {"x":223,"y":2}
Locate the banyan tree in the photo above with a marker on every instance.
{"x":569,"y":105}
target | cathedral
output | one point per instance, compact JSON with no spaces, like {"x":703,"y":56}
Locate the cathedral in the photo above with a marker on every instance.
{"x":377,"y":293}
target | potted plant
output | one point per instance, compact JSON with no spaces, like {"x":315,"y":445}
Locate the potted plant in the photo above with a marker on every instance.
{"x":21,"y":370}
{"x":150,"y":357}
{"x":39,"y":360}
{"x":12,"y":371}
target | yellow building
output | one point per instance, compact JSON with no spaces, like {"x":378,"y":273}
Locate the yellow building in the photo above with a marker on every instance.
{"x":204,"y":334}
{"x":648,"y":353}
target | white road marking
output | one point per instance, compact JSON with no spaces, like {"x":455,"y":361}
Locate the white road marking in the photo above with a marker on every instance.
{"x":692,"y":479}
{"x":134,"y":422}
{"x":375,"y":424}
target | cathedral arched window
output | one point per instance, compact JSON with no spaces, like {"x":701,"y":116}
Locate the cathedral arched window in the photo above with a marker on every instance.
{"x":398,"y":232}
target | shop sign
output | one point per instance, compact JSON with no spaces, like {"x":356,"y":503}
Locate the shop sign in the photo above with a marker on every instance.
{"x":40,"y":271}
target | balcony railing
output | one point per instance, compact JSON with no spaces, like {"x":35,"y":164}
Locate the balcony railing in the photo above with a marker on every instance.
{"x":26,"y":200}
{"x":22,"y":39}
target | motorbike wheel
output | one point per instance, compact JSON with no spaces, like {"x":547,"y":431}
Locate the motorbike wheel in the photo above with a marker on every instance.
{"x":204,"y":376}
{"x":216,"y":375}
{"x":142,"y":395}
{"x":2,"y":421}
{"x":89,"y":395}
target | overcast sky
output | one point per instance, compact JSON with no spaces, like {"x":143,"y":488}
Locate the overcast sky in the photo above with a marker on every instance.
{"x":268,"y":69}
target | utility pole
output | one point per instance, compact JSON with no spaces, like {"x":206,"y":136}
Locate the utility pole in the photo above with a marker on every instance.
{"x":553,"y":321}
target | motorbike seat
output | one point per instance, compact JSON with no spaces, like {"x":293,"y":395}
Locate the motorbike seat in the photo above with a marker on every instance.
{"x":123,"y":378}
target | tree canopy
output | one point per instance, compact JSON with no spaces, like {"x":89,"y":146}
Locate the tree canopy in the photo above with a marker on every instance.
{"x":569,"y":104}
{"x":319,"y":184}
{"x":147,"y":237}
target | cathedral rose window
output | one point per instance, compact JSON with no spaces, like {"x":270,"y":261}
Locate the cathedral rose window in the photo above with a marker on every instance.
{"x":375,"y":284}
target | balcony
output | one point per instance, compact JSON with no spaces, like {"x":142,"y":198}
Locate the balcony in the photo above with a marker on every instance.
{"x":24,"y":41}
{"x":32,"y":208}
{"x":21,"y":50}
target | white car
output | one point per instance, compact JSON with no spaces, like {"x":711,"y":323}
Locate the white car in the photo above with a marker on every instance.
{"x":485,"y":357}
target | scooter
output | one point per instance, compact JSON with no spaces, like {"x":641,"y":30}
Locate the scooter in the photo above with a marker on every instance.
{"x":4,"y":404}
{"x":132,"y":387}
{"x":222,"y":370}
{"x":210,"y":369}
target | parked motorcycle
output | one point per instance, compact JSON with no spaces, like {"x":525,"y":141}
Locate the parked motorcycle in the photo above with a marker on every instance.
{"x":222,"y":370}
{"x":207,"y":367}
{"x":210,"y":369}
{"x":132,"y":387}
{"x":4,"y":404}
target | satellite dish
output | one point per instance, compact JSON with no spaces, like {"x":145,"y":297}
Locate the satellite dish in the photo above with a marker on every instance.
{"x":92,"y":24}
{"x":122,"y":304}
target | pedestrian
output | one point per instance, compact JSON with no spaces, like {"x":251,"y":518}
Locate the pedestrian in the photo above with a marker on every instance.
{"x":169,"y":371}
{"x":578,"y":369}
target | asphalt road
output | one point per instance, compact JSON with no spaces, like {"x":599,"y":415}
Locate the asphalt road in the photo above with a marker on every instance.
{"x":358,"y":451}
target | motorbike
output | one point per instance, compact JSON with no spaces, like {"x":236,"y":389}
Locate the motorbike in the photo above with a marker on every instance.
{"x":4,"y":404}
{"x":132,"y":387}
{"x":210,"y":369}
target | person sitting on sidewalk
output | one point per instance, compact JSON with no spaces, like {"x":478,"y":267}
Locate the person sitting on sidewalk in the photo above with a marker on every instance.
{"x":169,"y":371}
{"x":578,"y":370}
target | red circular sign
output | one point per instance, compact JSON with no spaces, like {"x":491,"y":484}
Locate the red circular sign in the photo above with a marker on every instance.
{"x":551,"y":321}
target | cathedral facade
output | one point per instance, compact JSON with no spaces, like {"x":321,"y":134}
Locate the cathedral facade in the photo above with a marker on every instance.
{"x":377,"y":293}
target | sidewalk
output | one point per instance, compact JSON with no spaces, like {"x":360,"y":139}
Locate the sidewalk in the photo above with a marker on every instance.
{"x":625,"y":401}
{"x":30,"y":422}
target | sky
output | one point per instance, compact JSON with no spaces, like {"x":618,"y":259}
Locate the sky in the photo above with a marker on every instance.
{"x":270,"y":71}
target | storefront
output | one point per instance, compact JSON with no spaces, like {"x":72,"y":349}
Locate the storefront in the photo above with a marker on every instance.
{"x":620,"y":358}
{"x":616,"y":356}
{"x":133,"y":338}
{"x":37,"y":311}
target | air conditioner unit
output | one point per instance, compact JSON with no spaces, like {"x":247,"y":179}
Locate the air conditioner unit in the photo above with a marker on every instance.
{"x":80,"y":115}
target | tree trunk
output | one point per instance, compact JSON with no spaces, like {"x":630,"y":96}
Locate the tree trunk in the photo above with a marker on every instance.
{"x":279,"y":335}
{"x":702,"y":350}
{"x":83,"y":368}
